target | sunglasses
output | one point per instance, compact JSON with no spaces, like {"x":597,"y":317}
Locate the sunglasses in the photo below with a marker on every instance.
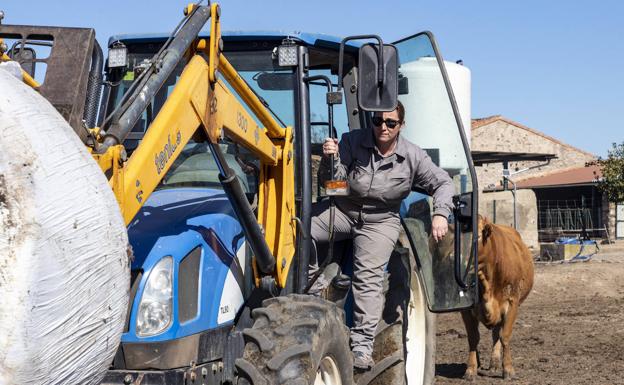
{"x":390,"y":123}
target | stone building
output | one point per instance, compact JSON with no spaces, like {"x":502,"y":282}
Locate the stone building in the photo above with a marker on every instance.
{"x":497,"y":133}
{"x":554,"y":197}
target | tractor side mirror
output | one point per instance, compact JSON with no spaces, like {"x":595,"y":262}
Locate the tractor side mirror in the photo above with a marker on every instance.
{"x":378,"y":77}
{"x":379,"y":82}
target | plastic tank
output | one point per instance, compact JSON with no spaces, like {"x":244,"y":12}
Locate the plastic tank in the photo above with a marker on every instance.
{"x":429,"y":118}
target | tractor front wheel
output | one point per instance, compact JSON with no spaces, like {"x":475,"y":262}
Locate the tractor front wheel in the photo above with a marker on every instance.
{"x":296,"y":340}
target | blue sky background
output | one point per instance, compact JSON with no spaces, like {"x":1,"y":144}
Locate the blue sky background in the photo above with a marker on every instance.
{"x":555,"y":66}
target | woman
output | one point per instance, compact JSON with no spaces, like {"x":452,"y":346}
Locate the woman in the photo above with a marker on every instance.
{"x":381,"y":167}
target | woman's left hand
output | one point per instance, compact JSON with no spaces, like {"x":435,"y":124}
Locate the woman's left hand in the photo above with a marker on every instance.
{"x":439,"y":227}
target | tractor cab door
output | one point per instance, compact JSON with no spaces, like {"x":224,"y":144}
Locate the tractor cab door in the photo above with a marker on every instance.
{"x":433,"y":122}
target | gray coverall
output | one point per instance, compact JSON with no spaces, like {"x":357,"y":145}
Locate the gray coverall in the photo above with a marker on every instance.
{"x":370,"y":215}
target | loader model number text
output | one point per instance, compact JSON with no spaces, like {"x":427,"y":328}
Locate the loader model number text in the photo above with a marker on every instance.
{"x":162,"y":157}
{"x":241,"y":121}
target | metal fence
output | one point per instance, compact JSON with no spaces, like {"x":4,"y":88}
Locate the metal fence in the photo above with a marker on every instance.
{"x":569,"y":218}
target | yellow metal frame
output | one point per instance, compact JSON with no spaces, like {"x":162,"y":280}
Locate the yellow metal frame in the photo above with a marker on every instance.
{"x":215,"y":41}
{"x":201,"y":99}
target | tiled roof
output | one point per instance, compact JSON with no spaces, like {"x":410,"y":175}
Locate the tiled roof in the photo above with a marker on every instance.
{"x":575,"y":176}
{"x":480,"y":122}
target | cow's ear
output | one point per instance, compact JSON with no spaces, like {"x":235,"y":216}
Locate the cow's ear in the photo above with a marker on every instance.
{"x":486,"y":232}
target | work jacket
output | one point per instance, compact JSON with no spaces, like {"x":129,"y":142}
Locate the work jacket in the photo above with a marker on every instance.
{"x":378,"y":184}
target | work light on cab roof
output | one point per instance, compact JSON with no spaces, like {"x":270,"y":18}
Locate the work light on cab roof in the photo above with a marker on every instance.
{"x":287,"y":53}
{"x":118,"y":55}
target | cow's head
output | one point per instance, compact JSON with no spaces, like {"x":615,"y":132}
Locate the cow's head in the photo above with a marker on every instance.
{"x":485,"y":229}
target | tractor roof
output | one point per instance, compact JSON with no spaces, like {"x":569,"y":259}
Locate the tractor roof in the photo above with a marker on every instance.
{"x":311,"y":39}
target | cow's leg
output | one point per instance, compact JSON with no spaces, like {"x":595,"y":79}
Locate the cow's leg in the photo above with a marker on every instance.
{"x":472,"y":330}
{"x":495,"y":360}
{"x":508,"y":322}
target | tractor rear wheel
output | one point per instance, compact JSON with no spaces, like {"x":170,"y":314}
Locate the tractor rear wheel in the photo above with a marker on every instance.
{"x":404,"y":350}
{"x":296,"y":340}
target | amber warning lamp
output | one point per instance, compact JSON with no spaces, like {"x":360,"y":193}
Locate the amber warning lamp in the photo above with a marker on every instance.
{"x":336,"y":188}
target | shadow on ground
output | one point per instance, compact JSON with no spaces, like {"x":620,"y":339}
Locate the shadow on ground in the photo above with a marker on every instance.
{"x":450,"y":370}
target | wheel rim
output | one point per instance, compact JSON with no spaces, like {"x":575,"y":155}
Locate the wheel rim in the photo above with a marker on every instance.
{"x":328,"y":373}
{"x":416,"y":336}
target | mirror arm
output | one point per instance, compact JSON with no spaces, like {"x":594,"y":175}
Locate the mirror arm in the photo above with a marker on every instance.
{"x":381,"y":68}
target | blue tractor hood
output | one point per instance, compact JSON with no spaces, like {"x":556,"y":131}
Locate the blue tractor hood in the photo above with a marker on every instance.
{"x":182,"y":213}
{"x":177,"y":222}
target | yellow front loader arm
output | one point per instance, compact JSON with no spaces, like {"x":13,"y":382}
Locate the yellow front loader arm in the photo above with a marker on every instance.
{"x":201,"y":100}
{"x":197,"y":102}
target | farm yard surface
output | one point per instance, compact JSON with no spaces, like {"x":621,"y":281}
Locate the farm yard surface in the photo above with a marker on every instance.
{"x":570,"y":330}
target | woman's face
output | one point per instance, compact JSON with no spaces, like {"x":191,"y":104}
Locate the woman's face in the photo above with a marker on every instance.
{"x":384,"y":134}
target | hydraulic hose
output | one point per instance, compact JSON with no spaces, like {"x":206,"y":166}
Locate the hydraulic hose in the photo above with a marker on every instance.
{"x":119,"y":125}
{"x":94,"y":89}
{"x":253,"y":233}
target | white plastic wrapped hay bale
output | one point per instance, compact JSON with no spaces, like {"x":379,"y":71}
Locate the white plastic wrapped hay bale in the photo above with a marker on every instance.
{"x":64,"y":270}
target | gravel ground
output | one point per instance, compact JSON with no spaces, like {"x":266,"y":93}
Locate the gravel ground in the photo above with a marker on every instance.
{"x":570,"y":330}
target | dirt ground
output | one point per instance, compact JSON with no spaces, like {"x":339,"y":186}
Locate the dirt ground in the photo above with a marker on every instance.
{"x":570,"y":330}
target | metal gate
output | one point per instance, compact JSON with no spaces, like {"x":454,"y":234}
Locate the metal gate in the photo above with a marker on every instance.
{"x":571,"y":218}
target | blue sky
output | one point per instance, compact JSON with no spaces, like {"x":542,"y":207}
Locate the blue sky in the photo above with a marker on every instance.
{"x":555,"y":66}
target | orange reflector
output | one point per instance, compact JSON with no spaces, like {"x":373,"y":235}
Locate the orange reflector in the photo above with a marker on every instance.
{"x":336,"y":187}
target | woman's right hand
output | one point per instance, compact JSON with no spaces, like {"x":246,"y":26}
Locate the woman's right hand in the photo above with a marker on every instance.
{"x":330,"y":147}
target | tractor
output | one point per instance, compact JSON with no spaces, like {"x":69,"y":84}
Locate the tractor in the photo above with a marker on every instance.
{"x":211,"y":142}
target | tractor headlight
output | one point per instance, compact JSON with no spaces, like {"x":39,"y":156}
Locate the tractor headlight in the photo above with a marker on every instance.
{"x":156,"y":301}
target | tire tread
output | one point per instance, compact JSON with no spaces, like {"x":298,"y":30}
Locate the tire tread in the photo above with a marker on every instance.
{"x":288,"y":339}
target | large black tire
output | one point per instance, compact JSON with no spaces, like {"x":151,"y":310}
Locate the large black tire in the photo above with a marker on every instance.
{"x":291,"y":339}
{"x":404,"y":350}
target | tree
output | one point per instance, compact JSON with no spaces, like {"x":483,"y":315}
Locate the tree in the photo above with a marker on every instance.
{"x":612,"y":169}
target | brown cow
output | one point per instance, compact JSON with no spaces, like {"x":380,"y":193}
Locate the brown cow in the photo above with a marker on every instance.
{"x":505,"y":279}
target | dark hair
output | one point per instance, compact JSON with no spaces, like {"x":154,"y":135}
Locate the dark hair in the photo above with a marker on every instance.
{"x":401,"y":110}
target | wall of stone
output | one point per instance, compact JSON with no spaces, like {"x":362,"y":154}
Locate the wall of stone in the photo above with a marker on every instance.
{"x":609,"y":216}
{"x":498,"y":208}
{"x":504,"y":135}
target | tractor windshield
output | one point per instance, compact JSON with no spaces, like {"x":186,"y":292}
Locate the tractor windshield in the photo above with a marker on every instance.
{"x":195,"y":166}
{"x":253,"y":66}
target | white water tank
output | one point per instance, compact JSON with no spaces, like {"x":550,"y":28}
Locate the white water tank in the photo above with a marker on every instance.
{"x":429,"y":119}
